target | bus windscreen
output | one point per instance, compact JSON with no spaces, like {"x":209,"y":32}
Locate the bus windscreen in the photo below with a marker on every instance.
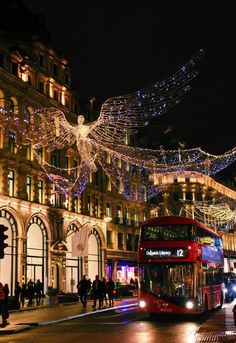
{"x":167,"y":232}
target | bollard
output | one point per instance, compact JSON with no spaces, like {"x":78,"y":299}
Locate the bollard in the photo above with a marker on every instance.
{"x":234,"y":312}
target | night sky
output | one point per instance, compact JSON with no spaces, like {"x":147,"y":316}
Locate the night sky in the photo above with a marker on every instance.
{"x":118,"y":47}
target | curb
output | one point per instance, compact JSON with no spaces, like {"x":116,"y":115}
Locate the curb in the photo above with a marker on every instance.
{"x":86,"y":314}
{"x":14,"y":328}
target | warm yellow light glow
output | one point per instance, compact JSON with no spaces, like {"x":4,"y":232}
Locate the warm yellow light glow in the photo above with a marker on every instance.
{"x":24,"y":77}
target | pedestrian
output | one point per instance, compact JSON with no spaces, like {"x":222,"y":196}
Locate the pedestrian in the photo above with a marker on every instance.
{"x":23,"y":294}
{"x":38,"y":288}
{"x":83,"y":288}
{"x":104,"y":291}
{"x":135,"y":286}
{"x":17,"y":291}
{"x":6,"y":290}
{"x":30,"y":292}
{"x":110,"y":291}
{"x":118,"y":289}
{"x":3,"y":305}
{"x":97,"y":292}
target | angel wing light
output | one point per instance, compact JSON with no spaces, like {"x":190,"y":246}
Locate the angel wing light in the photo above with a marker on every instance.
{"x":118,"y":114}
{"x":103,"y":142}
{"x":105,"y":139}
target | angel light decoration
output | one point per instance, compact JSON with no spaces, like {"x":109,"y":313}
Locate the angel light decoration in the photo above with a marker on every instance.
{"x":103,"y":142}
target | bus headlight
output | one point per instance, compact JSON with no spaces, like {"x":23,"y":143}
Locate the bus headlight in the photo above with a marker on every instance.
{"x":234,"y":288}
{"x":189,"y":305}
{"x":142,"y":304}
{"x":225,"y":290}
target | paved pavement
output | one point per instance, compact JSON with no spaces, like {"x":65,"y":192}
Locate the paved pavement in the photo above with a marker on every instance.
{"x":24,"y":319}
{"x":219,"y":327}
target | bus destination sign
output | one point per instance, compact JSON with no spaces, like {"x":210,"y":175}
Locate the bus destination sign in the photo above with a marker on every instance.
{"x":164,"y":253}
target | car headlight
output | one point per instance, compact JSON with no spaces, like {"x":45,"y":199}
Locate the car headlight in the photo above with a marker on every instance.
{"x":234,"y":288}
{"x":189,"y":305}
{"x":142,"y":304}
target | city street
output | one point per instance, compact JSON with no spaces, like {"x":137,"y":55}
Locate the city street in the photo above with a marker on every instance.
{"x":121,"y":325}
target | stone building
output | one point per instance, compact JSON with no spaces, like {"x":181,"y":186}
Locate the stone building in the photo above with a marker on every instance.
{"x":179,"y":195}
{"x":42,"y":223}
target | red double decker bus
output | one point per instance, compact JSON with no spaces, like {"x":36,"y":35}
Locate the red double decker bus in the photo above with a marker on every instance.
{"x":180,"y":266}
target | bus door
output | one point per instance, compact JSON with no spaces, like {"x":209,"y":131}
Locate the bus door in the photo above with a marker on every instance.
{"x":210,"y":283}
{"x":199,"y":285}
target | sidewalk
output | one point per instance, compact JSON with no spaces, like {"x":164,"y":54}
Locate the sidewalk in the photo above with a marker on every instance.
{"x":25,"y":318}
{"x":219,"y":327}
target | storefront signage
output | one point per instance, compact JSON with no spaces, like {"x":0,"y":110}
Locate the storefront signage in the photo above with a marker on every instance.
{"x":167,"y":253}
{"x":212,"y":254}
{"x":207,"y":240}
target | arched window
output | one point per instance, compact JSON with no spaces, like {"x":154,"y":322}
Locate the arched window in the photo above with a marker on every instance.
{"x":30,"y":114}
{"x":13,"y":104}
{"x":73,"y":263}
{"x":37,"y":251}
{"x":8,"y":265}
{"x":94,"y":254}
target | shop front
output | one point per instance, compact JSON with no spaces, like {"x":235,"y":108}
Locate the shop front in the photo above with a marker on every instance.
{"x":122,"y":270}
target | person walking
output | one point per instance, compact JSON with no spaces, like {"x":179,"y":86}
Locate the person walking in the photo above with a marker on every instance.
{"x":118,"y":289}
{"x":30,"y":292}
{"x":6,"y":290}
{"x":83,"y":288}
{"x":3,"y":305}
{"x":23,"y":294}
{"x":17,"y":291}
{"x":110,"y":291}
{"x":97,"y":292}
{"x":104,"y":291}
{"x":136,"y":286}
{"x":38,"y":287}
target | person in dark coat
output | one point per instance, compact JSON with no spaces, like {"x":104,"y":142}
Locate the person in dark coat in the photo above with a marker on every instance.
{"x":110,"y":291}
{"x":30,"y":292}
{"x":97,"y":292}
{"x":104,"y":291}
{"x":38,"y":288}
{"x":17,"y":291}
{"x":3,"y":305}
{"x":23,"y":294}
{"x":83,"y":288}
{"x":6,"y":290}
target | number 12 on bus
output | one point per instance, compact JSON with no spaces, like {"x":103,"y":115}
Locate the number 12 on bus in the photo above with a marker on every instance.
{"x":180,"y":266}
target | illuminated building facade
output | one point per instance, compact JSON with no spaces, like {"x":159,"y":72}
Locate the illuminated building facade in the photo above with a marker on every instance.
{"x":179,"y":195}
{"x":42,"y":223}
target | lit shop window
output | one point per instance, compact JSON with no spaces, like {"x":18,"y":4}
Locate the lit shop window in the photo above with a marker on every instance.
{"x":28,"y":187}
{"x":40,"y":190}
{"x":108,"y":209}
{"x":11,"y":180}
{"x":12,"y":142}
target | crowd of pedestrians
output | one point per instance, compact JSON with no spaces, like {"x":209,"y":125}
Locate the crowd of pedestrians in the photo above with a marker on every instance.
{"x":26,"y":293}
{"x":102,"y":291}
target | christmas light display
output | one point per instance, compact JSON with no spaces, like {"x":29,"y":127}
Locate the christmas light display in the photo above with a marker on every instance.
{"x":220,"y":212}
{"x":103,"y":142}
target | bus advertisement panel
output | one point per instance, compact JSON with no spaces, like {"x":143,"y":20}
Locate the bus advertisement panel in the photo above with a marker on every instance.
{"x":180,"y":266}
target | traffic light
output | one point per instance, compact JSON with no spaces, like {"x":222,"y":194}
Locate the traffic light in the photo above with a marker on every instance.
{"x":3,"y":237}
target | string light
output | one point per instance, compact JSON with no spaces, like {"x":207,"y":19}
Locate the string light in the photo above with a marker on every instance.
{"x":220,"y":212}
{"x":129,"y":167}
